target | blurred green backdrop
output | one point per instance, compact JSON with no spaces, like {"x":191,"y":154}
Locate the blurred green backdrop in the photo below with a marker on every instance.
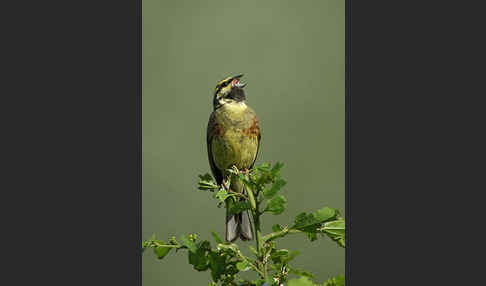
{"x":292,"y":55}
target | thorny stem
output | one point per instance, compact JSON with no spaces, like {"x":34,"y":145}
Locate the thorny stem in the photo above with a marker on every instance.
{"x":171,"y":246}
{"x":283,"y":232}
{"x":156,"y":244}
{"x":257,"y":270}
{"x":256,"y":222}
{"x":258,"y":238}
{"x":251,"y":264}
{"x":265,"y":273}
{"x":257,"y":229}
{"x":278,"y":234}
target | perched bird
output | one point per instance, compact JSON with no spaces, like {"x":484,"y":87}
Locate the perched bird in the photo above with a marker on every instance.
{"x":233,"y":139}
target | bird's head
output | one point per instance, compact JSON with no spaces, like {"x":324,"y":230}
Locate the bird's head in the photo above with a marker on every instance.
{"x":229,"y":90}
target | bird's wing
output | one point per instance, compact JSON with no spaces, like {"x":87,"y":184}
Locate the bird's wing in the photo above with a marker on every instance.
{"x":257,"y":127}
{"x":212,"y":128}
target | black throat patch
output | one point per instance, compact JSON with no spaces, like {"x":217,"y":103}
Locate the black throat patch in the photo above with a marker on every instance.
{"x":237,"y":94}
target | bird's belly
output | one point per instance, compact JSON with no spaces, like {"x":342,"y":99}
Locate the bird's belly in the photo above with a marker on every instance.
{"x":234,"y":148}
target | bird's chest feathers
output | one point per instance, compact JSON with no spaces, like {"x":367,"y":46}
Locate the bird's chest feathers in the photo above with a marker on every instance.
{"x":235,"y":141}
{"x":235,"y":113}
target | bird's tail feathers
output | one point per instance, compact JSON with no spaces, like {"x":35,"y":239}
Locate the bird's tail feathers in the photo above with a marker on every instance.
{"x":238,"y":225}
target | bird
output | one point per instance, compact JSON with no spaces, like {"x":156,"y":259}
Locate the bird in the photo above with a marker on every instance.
{"x":233,"y":139}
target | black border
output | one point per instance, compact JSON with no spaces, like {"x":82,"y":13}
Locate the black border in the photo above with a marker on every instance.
{"x":139,"y":144}
{"x":73,"y":103}
{"x":348,"y":142}
{"x":73,"y":179}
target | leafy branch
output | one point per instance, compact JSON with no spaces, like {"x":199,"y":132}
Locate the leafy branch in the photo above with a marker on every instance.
{"x":263,"y":184}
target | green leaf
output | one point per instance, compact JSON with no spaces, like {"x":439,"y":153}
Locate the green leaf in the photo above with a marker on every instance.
{"x":189,"y":244}
{"x":325,"y":214}
{"x":276,"y":227}
{"x":276,"y":205}
{"x":145,"y":245}
{"x":282,"y":255}
{"x":267,"y":248}
{"x":243,"y":265}
{"x":231,"y":248}
{"x":222,"y":195}
{"x":276,"y":168}
{"x":159,"y":250}
{"x":311,"y":223}
{"x":336,"y":230}
{"x":217,"y":264}
{"x":276,"y":186}
{"x":263,"y":166}
{"x":278,"y":255}
{"x":198,"y":258}
{"x":336,"y":226}
{"x":303,"y":221}
{"x":312,"y":236}
{"x":238,"y":207}
{"x":300,"y":272}
{"x":253,"y":250}
{"x":336,"y":281}
{"x":302,"y":281}
{"x":216,"y":237}
{"x":245,"y":181}
{"x":206,"y":182}
{"x":206,"y":178}
{"x":263,"y":174}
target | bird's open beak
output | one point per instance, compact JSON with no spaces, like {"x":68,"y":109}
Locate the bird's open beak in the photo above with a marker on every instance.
{"x":236,"y":81}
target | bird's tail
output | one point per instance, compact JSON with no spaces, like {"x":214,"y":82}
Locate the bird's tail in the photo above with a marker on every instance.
{"x":238,"y":225}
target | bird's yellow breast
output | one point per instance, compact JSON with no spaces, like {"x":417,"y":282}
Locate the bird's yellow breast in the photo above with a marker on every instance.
{"x":235,"y":145}
{"x":234,"y":148}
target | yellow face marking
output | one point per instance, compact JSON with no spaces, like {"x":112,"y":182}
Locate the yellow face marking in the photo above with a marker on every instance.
{"x":224,"y":80}
{"x":226,"y":88}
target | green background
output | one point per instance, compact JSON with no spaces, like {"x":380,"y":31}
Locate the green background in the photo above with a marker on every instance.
{"x":292,"y":54}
